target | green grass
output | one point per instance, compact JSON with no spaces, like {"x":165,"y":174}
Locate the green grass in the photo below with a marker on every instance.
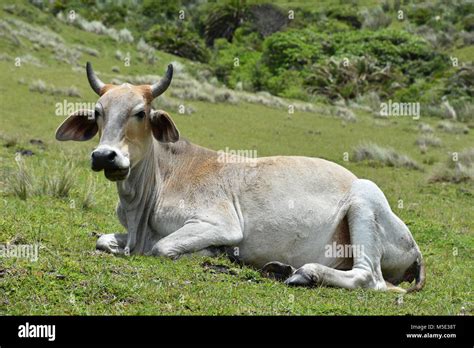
{"x":70,"y":277}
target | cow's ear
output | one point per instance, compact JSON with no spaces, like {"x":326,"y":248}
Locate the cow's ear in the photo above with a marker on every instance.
{"x":79,"y":126}
{"x":163,"y":127}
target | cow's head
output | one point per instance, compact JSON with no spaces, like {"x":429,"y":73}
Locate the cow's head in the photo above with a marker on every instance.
{"x":125,"y":121}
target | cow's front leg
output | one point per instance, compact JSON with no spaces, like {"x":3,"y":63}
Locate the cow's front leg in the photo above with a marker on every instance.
{"x":113,"y":243}
{"x":196,"y":236}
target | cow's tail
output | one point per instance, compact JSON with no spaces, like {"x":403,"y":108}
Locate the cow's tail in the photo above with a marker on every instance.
{"x":420,"y":275}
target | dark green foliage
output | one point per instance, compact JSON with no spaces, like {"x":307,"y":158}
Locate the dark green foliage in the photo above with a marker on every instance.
{"x":468,"y":22}
{"x":234,"y":63}
{"x":256,"y":47}
{"x":348,"y":79}
{"x":421,"y":14}
{"x":410,"y":53}
{"x":224,"y":19}
{"x":292,"y":50}
{"x":267,"y":19}
{"x":347,"y":15}
{"x":160,"y":10}
{"x":178,"y":40}
{"x":460,"y":84}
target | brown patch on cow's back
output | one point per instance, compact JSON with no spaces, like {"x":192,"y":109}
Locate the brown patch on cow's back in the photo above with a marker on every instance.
{"x":193,"y":165}
{"x":203,"y":168}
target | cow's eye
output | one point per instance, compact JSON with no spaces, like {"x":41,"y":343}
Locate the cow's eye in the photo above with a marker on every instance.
{"x":140,"y":114}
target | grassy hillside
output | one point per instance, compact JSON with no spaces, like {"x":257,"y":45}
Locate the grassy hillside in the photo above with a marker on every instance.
{"x":65,"y":210}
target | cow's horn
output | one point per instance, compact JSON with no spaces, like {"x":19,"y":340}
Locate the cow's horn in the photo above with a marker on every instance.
{"x":94,"y":81}
{"x":161,"y":86}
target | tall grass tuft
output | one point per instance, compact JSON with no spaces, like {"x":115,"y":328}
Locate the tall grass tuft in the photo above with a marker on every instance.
{"x":60,"y":185}
{"x":384,"y":156}
{"x":425,"y":128}
{"x":20,"y":182}
{"x":453,"y":128}
{"x":458,"y":168}
{"x":428,"y":140}
{"x":88,"y":200}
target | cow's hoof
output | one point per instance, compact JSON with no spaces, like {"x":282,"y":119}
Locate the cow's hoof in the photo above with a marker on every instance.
{"x":278,"y":270}
{"x":299,"y":279}
{"x":110,"y":243}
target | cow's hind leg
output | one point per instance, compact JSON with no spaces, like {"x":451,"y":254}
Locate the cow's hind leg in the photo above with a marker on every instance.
{"x":113,"y":243}
{"x":370,"y":219}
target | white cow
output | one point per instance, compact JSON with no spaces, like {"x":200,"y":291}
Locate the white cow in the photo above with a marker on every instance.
{"x":281,"y":214}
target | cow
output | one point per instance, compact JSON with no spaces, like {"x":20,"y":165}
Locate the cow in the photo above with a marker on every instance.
{"x":279,"y":214}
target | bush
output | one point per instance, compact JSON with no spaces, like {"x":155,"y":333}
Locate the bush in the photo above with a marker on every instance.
{"x":292,"y":50}
{"x":468,"y":22}
{"x":267,"y":19}
{"x":460,"y":84}
{"x":412,"y":55}
{"x":346,"y":14}
{"x":223,"y":20}
{"x":375,"y":18}
{"x":421,"y":13}
{"x":178,"y":40}
{"x":224,"y":63}
{"x":338,"y":80}
{"x":159,"y":10}
{"x":420,"y":91}
{"x":113,"y":14}
{"x":288,"y":84}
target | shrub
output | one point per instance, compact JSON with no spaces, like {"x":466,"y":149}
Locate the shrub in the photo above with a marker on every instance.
{"x":460,"y":84}
{"x":338,"y":80}
{"x":421,"y":13}
{"x":413,"y":55}
{"x":291,"y":50}
{"x":224,"y":19}
{"x":113,"y":14}
{"x":375,"y":18}
{"x":125,"y":36}
{"x":468,"y":22}
{"x":464,"y":110}
{"x":178,"y":40}
{"x":345,"y":14}
{"x":159,"y":10}
{"x":287,"y":84}
{"x":267,"y":19}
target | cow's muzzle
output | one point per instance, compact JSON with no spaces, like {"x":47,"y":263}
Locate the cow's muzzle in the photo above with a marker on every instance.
{"x":115,"y":166}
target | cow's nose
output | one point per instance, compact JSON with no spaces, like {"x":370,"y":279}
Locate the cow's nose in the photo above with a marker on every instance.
{"x":103,"y":159}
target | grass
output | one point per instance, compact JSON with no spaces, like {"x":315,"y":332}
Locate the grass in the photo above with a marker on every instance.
{"x":459,"y":167}
{"x":70,"y":277}
{"x":385,"y":156}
